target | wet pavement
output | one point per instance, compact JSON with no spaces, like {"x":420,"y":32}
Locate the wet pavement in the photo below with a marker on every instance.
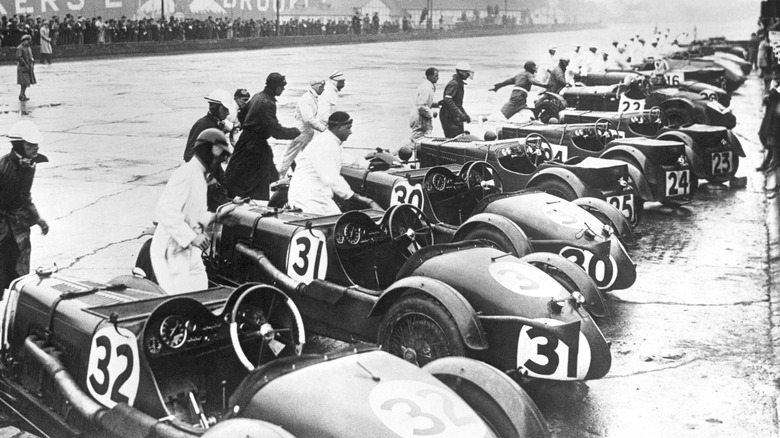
{"x":693,"y":341}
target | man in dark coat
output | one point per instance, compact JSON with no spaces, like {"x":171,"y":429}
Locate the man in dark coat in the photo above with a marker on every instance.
{"x":25,"y":66}
{"x":769,"y":133}
{"x":557,"y":80}
{"x":219,"y":109}
{"x":17,"y":211}
{"x":452,"y":114}
{"x":251,"y":168}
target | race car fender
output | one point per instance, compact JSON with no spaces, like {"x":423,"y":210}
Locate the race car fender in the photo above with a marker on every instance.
{"x":615,"y":217}
{"x":734,"y":140}
{"x":560,"y":174}
{"x":461,"y":310}
{"x":572,"y":277}
{"x":509,"y":229}
{"x":698,"y":113}
{"x":638,"y":167}
{"x":697,"y":162}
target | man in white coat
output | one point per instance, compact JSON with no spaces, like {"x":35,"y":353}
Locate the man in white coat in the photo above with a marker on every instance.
{"x":182,"y":217}
{"x":308,"y":123}
{"x":317,"y":178}
{"x":422,"y":115}
{"x":326,"y":104}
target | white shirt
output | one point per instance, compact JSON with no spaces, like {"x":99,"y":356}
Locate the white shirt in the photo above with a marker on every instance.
{"x":326,"y":103}
{"x":306,"y":111}
{"x":181,"y":214}
{"x":423,"y":101}
{"x":317,"y":178}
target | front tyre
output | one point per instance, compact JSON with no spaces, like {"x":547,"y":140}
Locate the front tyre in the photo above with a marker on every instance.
{"x":419,"y":330}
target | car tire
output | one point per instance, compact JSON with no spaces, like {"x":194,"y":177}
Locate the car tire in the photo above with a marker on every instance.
{"x":495,"y":236}
{"x":557,"y":188}
{"x":675,"y":116}
{"x":547,"y":110}
{"x":419,"y":329}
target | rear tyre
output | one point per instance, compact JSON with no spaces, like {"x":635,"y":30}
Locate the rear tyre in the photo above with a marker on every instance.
{"x":495,"y":236}
{"x":558,"y":188}
{"x":419,"y":330}
{"x":677,"y":117}
{"x":547,"y":110}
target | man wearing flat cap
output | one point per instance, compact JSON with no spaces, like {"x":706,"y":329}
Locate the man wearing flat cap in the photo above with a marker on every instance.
{"x":251,"y":169}
{"x":25,"y":66}
{"x":330,"y":96}
{"x":241,"y":97}
{"x":308,"y":123}
{"x":317,"y":178}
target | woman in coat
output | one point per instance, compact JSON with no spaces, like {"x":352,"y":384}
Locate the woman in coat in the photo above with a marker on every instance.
{"x":25,"y":64}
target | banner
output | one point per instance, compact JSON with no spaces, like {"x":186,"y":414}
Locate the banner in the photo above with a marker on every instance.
{"x":134,"y":9}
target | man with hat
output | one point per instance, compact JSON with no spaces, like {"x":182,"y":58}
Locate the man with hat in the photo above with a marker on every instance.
{"x":25,"y":66}
{"x":309,"y":124}
{"x":317,"y":178}
{"x":17,"y":211}
{"x":522,"y":85}
{"x":220,"y":103}
{"x":452,"y":114}
{"x":182,"y":217}
{"x":252,"y":169}
{"x":327,"y":101}
{"x":241,"y":97}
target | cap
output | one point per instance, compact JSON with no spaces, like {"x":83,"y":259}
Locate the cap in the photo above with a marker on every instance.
{"x":592,"y":49}
{"x":552,"y":49}
{"x":339,"y":118}
{"x":241,"y":93}
{"x":463,"y":66}
{"x":275,"y":80}
{"x":529,"y":65}
{"x":314,"y":82}
{"x":221,"y":97}
{"x":24,"y":130}
{"x":26,"y":37}
{"x":337,"y":76}
{"x":214,"y":137}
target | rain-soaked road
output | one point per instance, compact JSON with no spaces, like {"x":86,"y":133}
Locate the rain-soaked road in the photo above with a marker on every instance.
{"x":692,"y":340}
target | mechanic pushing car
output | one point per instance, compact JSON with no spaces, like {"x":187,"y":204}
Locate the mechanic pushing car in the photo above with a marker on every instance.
{"x":181,"y":212}
{"x":17,"y":211}
{"x":523,"y":82}
{"x":317,"y":178}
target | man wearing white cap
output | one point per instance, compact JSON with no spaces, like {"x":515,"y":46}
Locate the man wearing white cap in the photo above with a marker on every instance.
{"x":17,"y":211}
{"x":308,"y":123}
{"x":180,"y":238}
{"x":547,"y":64}
{"x":330,"y":96}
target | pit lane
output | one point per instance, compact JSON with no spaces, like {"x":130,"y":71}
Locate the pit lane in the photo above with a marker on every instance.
{"x":693,"y":340}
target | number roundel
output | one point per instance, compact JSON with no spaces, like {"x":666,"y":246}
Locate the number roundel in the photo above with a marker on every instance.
{"x":561,"y":215}
{"x":524,"y":279}
{"x":603,"y":272}
{"x":307,"y":258}
{"x":414,"y":409}
{"x":405,"y":193}
{"x":629,"y":104}
{"x":113,"y":370}
{"x":543,"y":355}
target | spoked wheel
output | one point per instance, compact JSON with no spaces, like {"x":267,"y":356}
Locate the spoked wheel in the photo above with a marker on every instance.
{"x":409,"y":229}
{"x":265,"y":324}
{"x":603,"y":129}
{"x":537,"y":149}
{"x":481,"y":174}
{"x":419,"y":330}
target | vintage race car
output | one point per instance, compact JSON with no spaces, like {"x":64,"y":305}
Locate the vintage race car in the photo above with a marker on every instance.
{"x":678,"y":79}
{"x":713,"y":151}
{"x":468,"y":202}
{"x":732,"y":72}
{"x":525,"y":164}
{"x":678,"y":107}
{"x":87,"y":359}
{"x":373,"y":276}
{"x":657,"y":168}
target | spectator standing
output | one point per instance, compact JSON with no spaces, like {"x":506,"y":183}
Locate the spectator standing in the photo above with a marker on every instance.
{"x":46,"y":49}
{"x":100,"y":28}
{"x":252,"y":169}
{"x":308,"y":123}
{"x":452,"y":114}
{"x":755,"y":40}
{"x":326,"y":104}
{"x":17,"y":211}
{"x":765,"y":61}
{"x":25,"y":67}
{"x":421,"y":118}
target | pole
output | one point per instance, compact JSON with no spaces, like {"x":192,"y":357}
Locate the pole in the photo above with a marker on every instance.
{"x":278,"y":28}
{"x":429,"y":25}
{"x":506,"y":12}
{"x":162,"y":7}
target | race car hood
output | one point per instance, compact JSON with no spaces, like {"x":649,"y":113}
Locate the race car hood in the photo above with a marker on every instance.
{"x":354,"y":394}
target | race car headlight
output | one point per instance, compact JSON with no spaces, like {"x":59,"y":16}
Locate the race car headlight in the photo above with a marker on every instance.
{"x":578,"y":298}
{"x":589,"y":234}
{"x":607,"y":230}
{"x":622,"y":182}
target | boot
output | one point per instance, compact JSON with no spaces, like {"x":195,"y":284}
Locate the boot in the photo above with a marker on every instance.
{"x":768,"y":158}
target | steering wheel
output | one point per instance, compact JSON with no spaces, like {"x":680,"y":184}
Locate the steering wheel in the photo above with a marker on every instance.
{"x":603,"y":129}
{"x":409,"y":229}
{"x":481,"y":174}
{"x":537,"y":149}
{"x":266,"y":314}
